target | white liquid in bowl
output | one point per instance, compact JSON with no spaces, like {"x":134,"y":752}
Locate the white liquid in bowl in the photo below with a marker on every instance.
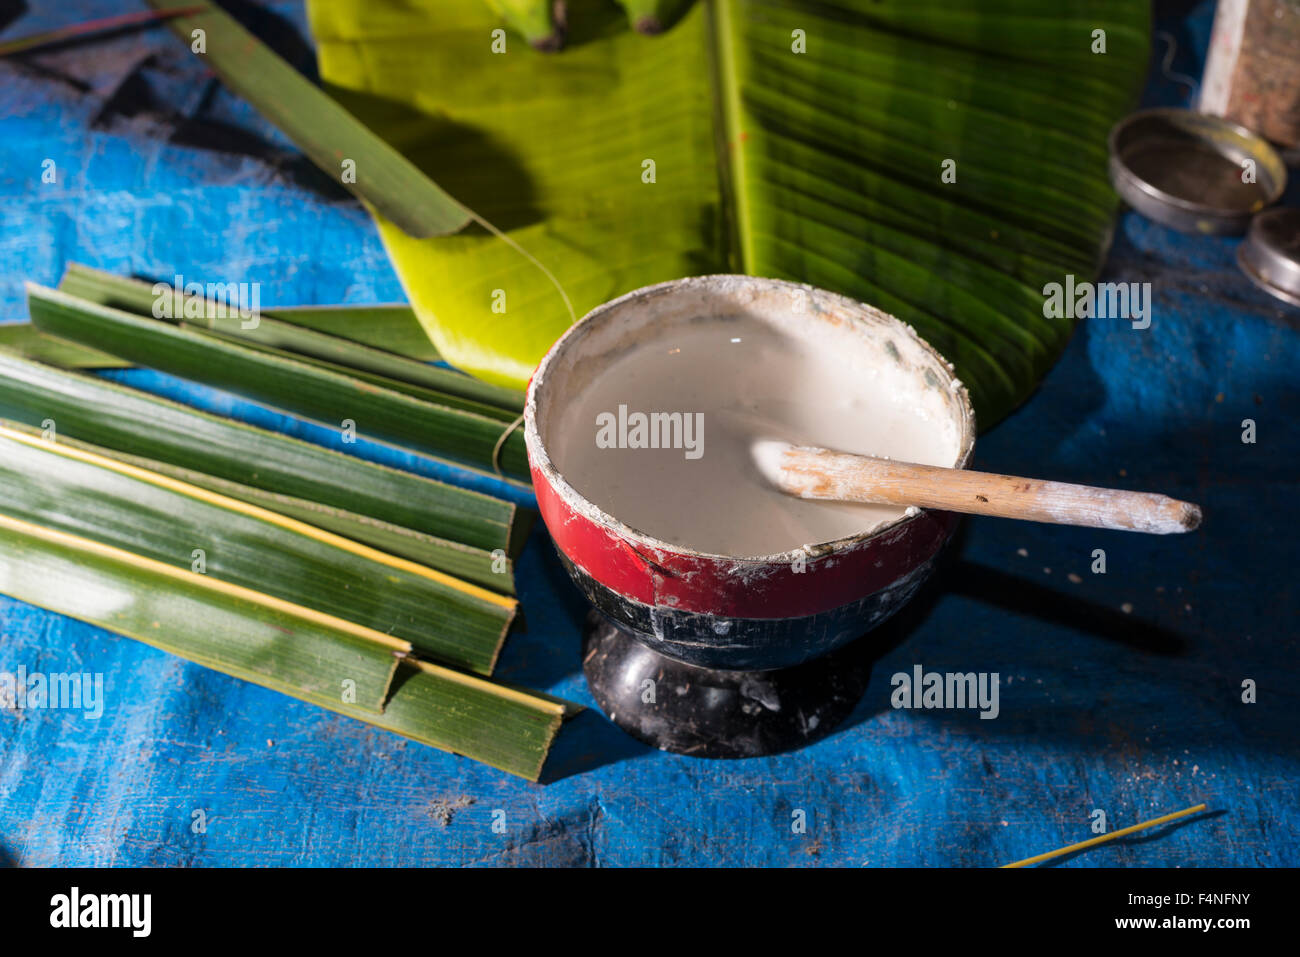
{"x":744,"y":379}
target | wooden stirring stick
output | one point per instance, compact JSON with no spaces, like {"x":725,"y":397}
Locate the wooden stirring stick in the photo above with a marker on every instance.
{"x":840,"y":477}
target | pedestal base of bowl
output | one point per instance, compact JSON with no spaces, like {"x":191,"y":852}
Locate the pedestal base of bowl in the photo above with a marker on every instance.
{"x":711,"y":713}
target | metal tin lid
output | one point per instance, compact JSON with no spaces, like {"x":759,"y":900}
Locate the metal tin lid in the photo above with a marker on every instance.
{"x":1270,"y":253}
{"x":1186,"y":170}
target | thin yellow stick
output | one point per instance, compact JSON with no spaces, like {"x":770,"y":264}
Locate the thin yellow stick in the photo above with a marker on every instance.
{"x":1108,"y":837}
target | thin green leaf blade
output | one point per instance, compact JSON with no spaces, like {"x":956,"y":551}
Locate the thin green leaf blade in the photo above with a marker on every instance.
{"x":382,"y":367}
{"x":235,"y":630}
{"x":467,"y":438}
{"x":330,"y":135}
{"x":489,"y":569}
{"x":508,"y":729}
{"x":306,"y":346}
{"x":24,"y":339}
{"x":293,"y":650}
{"x":97,"y":498}
{"x":128,"y":420}
{"x":392,"y":328}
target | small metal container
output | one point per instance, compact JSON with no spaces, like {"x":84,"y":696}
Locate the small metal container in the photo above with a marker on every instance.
{"x":1185,"y":169}
{"x":1270,"y":253}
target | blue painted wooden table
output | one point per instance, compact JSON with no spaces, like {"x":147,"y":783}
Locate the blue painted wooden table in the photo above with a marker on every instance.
{"x":1120,"y":691}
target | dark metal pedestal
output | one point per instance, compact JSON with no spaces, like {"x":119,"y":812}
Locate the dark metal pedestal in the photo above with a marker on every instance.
{"x":713,"y":713}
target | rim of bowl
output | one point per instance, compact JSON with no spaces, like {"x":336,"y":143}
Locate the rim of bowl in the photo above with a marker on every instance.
{"x":857,"y":312}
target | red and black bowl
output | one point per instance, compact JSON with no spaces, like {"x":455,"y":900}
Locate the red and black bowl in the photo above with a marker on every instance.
{"x":721,"y":611}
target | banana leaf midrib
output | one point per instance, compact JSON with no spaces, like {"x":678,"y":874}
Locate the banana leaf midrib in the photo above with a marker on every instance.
{"x":727,"y":141}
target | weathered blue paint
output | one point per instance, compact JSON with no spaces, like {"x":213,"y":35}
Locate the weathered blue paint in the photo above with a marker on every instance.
{"x":1135,"y":713}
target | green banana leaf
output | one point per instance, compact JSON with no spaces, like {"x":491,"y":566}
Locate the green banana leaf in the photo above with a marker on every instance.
{"x":136,"y":423}
{"x":474,"y":565}
{"x":389,"y":327}
{"x":332,"y":350}
{"x":237,"y":630}
{"x":376,"y":333}
{"x":471,"y":564}
{"x":91,"y":29}
{"x":503,"y":727}
{"x":389,"y":330}
{"x":94,"y":497}
{"x":24,"y":339}
{"x":504,"y":407}
{"x":474,"y":439}
{"x":803,"y":139}
{"x":352,"y":670}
